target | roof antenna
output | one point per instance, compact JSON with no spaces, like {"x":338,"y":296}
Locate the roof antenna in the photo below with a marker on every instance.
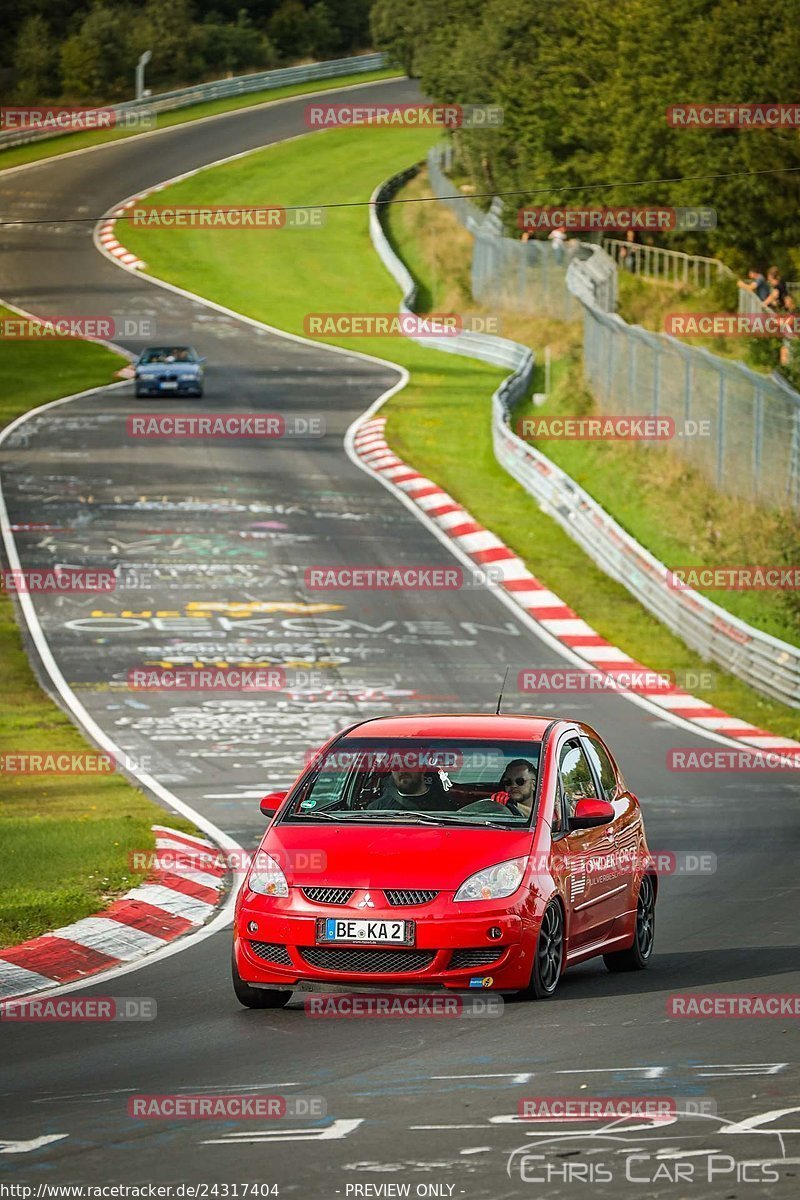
{"x":500,"y":697}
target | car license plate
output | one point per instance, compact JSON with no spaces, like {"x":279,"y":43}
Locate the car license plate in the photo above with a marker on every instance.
{"x":333,"y":929}
{"x":169,"y":386}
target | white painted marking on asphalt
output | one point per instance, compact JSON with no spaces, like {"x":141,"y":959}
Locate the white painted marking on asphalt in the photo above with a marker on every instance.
{"x":33,"y":1144}
{"x":547,"y":1128}
{"x":648,"y":1072}
{"x":518,"y":1077}
{"x":335,"y":1132}
{"x":669,"y":1154}
{"x":726,"y":1070}
{"x":761,"y":1119}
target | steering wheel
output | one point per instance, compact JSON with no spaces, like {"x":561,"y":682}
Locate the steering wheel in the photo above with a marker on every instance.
{"x":484,"y":806}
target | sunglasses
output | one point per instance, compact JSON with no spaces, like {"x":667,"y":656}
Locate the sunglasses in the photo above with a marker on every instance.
{"x":519,"y":780}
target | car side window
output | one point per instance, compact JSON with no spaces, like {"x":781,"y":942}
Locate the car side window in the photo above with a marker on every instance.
{"x":603,"y":767}
{"x":574,"y":774}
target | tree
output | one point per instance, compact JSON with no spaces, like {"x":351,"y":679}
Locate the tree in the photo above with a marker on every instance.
{"x":170,"y":32}
{"x":234,"y":47}
{"x":98,"y":62}
{"x":400,"y":30}
{"x":35,"y":60}
{"x":288,"y":29}
{"x":320,"y":31}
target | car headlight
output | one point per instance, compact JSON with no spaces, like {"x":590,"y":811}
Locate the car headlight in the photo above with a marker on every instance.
{"x":493,"y":883}
{"x":186,"y":378}
{"x":266,"y":877}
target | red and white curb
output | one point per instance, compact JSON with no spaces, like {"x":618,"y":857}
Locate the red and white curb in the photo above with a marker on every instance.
{"x":107,"y":238}
{"x":181,"y":893}
{"x":545,"y":607}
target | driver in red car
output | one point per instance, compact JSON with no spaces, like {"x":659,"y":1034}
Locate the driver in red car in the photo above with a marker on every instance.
{"x":518,"y":785}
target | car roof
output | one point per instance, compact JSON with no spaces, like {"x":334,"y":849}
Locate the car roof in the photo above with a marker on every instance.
{"x":456,"y":725}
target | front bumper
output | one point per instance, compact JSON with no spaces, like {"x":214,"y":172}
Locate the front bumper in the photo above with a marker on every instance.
{"x":449,"y":952}
{"x":155,"y":387}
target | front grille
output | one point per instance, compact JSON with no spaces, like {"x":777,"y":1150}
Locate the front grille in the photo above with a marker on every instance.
{"x":481,"y":956}
{"x":328,"y":895}
{"x":400,"y":896}
{"x":271,"y":952}
{"x":367,"y":962}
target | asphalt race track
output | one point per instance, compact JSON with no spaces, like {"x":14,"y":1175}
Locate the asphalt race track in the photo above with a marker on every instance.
{"x":212,"y":539}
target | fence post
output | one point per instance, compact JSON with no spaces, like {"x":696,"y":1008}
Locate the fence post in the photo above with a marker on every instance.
{"x":720,"y":429}
{"x":657,"y":382}
{"x":633,"y":349}
{"x":609,"y":361}
{"x":758,"y":437}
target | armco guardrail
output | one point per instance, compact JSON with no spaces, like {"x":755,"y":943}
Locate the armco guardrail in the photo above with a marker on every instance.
{"x":768,"y":664}
{"x":220,"y":89}
{"x":499,"y":351}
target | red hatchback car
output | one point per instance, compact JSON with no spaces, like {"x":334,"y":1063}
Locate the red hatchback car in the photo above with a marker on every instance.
{"x":446,"y":852}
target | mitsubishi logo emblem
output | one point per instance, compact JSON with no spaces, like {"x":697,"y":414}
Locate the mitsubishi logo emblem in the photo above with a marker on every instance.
{"x":367,"y":902}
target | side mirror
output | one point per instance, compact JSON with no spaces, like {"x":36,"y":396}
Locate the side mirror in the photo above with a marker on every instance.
{"x":591,"y":812}
{"x":272,"y":802}
{"x":202,"y":359}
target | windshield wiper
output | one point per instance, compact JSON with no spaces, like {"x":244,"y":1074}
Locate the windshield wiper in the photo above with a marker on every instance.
{"x":426,"y":818}
{"x":313,"y":816}
{"x":326,"y":815}
{"x":401,"y":817}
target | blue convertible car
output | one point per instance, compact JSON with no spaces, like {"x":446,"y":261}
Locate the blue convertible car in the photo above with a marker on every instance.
{"x":169,"y":369}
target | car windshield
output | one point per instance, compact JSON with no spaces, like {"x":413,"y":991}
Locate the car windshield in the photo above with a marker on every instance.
{"x":160,"y":354}
{"x":446,"y":782}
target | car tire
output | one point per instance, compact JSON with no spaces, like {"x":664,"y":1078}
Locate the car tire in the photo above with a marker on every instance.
{"x":637,"y":958}
{"x":548,"y":961}
{"x":252,"y":997}
{"x":199,"y":393}
{"x":138,"y":393}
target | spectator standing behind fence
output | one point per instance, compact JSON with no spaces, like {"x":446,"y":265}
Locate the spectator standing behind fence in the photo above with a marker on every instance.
{"x":532,"y":252}
{"x":629,"y":253}
{"x":557,"y":237}
{"x":778,"y":298}
{"x":757,"y":285}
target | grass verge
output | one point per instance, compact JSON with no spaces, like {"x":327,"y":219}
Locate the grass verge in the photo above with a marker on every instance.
{"x":64,"y":839}
{"x":440,"y":422}
{"x":16,"y":156}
